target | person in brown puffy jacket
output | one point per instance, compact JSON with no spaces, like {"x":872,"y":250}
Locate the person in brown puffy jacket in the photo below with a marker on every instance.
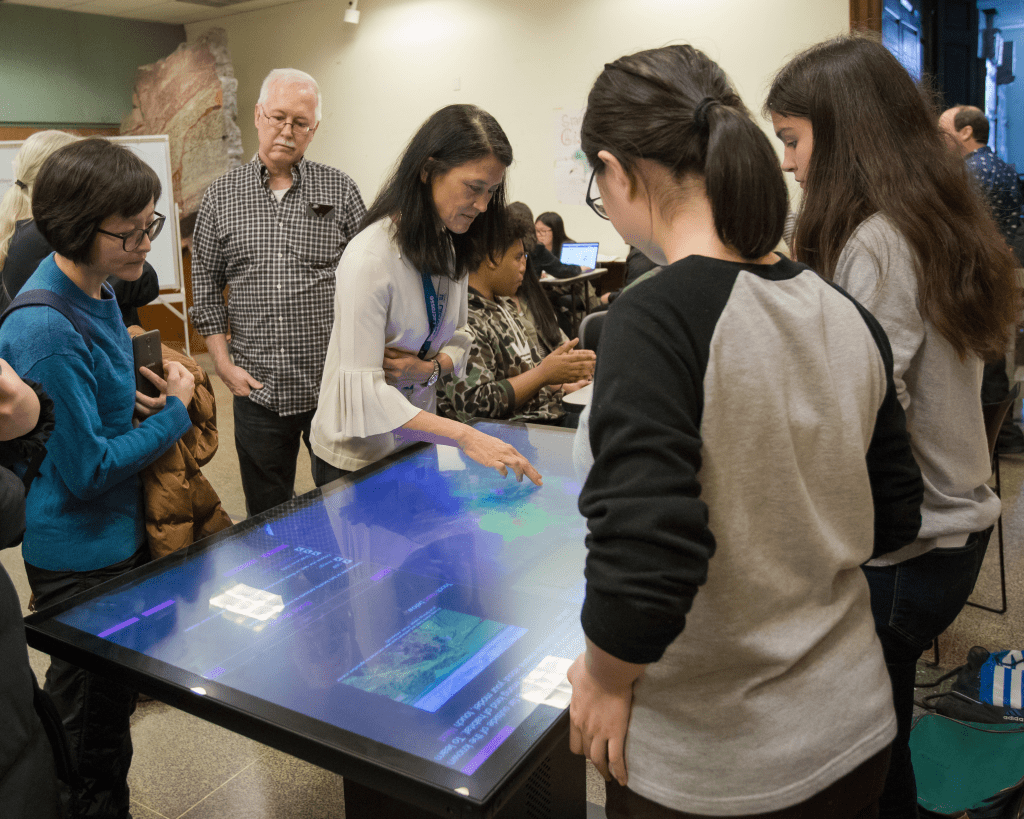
{"x":181,"y":504}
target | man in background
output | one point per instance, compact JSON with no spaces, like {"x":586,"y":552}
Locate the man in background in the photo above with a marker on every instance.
{"x":968,"y":128}
{"x":273,"y":230}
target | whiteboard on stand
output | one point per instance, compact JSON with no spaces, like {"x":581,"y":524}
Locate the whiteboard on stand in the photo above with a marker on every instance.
{"x":155,"y":151}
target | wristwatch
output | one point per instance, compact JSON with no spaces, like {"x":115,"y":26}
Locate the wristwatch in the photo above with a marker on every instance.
{"x":430,"y":382}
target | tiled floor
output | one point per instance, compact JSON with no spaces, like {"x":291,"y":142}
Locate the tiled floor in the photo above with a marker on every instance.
{"x":190,"y":769}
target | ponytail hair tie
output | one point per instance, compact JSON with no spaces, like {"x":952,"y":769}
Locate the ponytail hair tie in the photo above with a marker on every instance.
{"x":21,"y":184}
{"x":700,"y":113}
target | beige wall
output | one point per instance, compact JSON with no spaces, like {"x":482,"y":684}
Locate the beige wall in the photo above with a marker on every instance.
{"x":518,"y":59}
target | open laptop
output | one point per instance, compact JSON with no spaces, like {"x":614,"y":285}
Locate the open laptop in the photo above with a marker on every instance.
{"x":582,"y":253}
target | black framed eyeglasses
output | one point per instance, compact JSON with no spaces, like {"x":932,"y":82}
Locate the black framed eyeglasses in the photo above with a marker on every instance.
{"x":595,"y":201}
{"x":132,"y":239}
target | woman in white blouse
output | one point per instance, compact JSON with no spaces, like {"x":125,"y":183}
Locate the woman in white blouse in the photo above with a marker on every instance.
{"x":400,"y":301}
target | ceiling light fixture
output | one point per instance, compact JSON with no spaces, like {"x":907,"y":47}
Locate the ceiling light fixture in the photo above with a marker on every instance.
{"x":352,"y":12}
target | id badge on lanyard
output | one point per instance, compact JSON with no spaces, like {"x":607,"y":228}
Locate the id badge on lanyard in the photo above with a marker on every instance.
{"x":436,"y":305}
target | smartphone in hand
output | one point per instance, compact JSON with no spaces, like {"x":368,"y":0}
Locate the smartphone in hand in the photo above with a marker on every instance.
{"x":147,"y":353}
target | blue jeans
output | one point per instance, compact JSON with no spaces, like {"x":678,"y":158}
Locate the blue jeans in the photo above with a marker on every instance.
{"x":913,"y":603}
{"x":268,"y":447}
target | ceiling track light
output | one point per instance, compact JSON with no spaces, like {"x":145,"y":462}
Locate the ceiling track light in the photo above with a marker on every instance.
{"x":352,"y":12}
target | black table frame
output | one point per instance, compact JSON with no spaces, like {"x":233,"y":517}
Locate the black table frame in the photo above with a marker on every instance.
{"x":548,"y":782}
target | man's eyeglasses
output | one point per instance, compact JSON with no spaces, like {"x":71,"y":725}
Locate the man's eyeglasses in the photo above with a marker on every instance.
{"x":278,"y":123}
{"x":595,"y":201}
{"x":132,"y":239}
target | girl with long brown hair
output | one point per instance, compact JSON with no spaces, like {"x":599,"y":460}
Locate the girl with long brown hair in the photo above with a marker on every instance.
{"x":890,"y":215}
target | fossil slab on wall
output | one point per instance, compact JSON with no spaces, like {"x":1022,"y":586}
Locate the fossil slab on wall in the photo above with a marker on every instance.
{"x":192,"y":96}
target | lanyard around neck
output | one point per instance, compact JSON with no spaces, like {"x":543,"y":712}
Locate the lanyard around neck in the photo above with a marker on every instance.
{"x":435,"y":310}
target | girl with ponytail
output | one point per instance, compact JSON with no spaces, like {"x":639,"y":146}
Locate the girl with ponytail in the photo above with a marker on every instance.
{"x":746,"y":454}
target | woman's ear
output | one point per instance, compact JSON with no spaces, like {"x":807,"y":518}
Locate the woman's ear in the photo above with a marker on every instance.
{"x":615,"y":177}
{"x":424,"y":174}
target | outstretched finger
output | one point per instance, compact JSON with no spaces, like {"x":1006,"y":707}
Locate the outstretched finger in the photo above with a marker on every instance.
{"x":533,"y":474}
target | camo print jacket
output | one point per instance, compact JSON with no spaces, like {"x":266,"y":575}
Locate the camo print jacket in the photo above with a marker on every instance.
{"x":500,"y":350}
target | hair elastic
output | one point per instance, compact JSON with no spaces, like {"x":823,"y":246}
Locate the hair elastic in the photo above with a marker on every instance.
{"x":21,"y":184}
{"x":700,"y":115}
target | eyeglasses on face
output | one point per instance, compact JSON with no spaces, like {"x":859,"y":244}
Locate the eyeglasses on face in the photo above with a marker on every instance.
{"x":132,"y":239}
{"x":278,"y":123}
{"x":595,"y":201}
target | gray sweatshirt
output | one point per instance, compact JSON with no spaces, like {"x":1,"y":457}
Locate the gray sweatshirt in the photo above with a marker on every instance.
{"x":940,"y":393}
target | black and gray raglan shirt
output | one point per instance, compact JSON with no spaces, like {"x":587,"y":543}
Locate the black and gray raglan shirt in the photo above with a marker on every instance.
{"x":749,"y":454}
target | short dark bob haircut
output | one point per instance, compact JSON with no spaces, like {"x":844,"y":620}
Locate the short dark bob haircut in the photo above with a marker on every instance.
{"x":453,"y":136}
{"x":84,"y":183}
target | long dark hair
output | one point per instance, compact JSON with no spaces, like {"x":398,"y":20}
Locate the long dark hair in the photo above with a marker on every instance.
{"x":878,"y":149}
{"x":521,"y":226}
{"x":675,"y":106}
{"x":451,"y":137}
{"x":558,"y":237}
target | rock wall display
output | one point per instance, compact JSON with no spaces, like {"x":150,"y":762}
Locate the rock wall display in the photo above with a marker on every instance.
{"x":192,"y":96}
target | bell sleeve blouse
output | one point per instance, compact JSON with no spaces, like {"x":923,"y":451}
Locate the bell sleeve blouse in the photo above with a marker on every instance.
{"x":379,"y":303}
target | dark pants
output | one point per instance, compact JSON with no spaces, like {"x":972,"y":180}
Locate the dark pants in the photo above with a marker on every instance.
{"x":95,"y":709}
{"x":323,"y":472}
{"x":268,"y":448}
{"x":913,"y":603}
{"x":854,"y":796}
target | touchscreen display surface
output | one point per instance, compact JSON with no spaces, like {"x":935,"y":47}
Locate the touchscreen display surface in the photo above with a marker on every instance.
{"x":430,"y":606}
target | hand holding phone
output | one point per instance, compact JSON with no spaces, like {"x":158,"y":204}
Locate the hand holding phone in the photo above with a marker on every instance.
{"x":146,"y":353}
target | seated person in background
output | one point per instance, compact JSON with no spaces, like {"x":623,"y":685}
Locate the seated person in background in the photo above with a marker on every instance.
{"x":506,"y":377}
{"x":638,"y":267}
{"x":550,"y":233}
{"x":531,"y":303}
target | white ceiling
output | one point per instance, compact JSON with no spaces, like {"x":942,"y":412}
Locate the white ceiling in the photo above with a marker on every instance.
{"x":1011,"y":12}
{"x":157,"y":11}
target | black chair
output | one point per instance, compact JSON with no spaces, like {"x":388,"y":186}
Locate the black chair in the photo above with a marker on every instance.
{"x":590,"y":330}
{"x":995,"y":414}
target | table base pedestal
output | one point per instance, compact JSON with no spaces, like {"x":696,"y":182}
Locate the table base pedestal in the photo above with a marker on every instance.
{"x":557,"y":789}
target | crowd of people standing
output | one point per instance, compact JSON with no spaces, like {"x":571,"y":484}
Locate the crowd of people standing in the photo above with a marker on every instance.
{"x":725,"y":613}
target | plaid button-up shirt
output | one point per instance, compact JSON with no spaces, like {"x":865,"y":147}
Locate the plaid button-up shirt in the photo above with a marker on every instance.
{"x":279,"y":258}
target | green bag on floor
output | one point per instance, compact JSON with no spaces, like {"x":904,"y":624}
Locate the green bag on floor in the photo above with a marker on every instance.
{"x":958,"y":765}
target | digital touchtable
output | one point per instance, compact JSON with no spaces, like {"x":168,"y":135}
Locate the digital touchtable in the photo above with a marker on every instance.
{"x":407,"y":626}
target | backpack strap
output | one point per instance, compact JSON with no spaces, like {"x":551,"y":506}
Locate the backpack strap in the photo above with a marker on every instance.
{"x":47,"y":298}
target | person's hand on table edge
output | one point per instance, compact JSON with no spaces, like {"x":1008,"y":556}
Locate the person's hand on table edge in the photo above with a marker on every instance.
{"x":575,"y":385}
